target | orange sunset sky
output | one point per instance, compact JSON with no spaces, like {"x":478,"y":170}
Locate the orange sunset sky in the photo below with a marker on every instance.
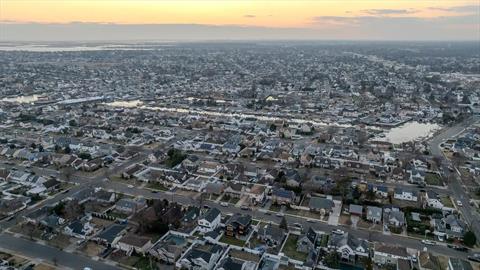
{"x":315,"y":16}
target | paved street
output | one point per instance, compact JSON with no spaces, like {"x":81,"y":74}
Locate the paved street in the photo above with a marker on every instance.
{"x":33,"y":250}
{"x":455,"y":186}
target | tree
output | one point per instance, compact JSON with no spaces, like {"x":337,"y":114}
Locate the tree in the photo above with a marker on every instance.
{"x":331,"y":260}
{"x":67,"y":173}
{"x":283,"y":224}
{"x":469,"y":239}
{"x":84,"y":155}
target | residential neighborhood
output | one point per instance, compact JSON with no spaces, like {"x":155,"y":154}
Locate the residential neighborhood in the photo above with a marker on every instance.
{"x":240,"y":156}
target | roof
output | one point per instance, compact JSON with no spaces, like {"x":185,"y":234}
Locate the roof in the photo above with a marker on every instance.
{"x":110,"y":233}
{"x":373,"y":211}
{"x":391,"y":249}
{"x":355,"y":209}
{"x":134,"y":240}
{"x":240,"y":219}
{"x":459,"y":264}
{"x":211,"y":214}
{"x":320,"y":203}
{"x":281,"y":192}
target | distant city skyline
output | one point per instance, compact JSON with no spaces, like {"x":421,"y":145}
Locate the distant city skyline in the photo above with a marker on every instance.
{"x":238,"y":20}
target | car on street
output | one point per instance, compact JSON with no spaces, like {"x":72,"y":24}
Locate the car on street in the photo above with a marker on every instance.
{"x":459,"y":203}
{"x":338,"y":231}
{"x":224,"y":204}
{"x":245,"y":207}
{"x":311,"y":220}
{"x":280,"y":214}
{"x":429,"y":242}
{"x":154,"y":191}
{"x":130,"y":186}
{"x":474,"y":257}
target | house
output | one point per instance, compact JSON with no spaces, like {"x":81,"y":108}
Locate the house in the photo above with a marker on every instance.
{"x":306,"y":242}
{"x":433,"y":200}
{"x":110,"y":235}
{"x":238,"y":224}
{"x":405,"y":195}
{"x":282,"y":196}
{"x":52,"y":222}
{"x":385,"y":254}
{"x":348,"y":246}
{"x":132,"y":170}
{"x":129,"y":206}
{"x":209,"y":221}
{"x":132,"y":242}
{"x":417,"y":177}
{"x":190,"y":218}
{"x":256,"y":193}
{"x":169,"y":248}
{"x":322,"y":205}
{"x":214,"y":188}
{"x":104,"y":196}
{"x":231,"y":263}
{"x":79,"y":229}
{"x":374,"y":214}
{"x":271,"y":235}
{"x":393,"y":217}
{"x":458,"y":264}
{"x":200,"y":257}
{"x":234,"y":190}
{"x":450,"y":227}
{"x":355,"y":210}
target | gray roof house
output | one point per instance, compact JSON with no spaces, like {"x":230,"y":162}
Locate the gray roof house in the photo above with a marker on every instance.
{"x":374,"y":214}
{"x":321,"y":204}
{"x":348,"y":246}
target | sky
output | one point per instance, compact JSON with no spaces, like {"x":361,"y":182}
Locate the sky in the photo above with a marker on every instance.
{"x":168,"y":20}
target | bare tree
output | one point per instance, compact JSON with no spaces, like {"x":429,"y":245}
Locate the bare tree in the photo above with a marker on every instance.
{"x":67,"y":173}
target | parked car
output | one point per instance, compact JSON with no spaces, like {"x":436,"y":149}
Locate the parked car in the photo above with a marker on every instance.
{"x":459,"y":203}
{"x":474,"y":257}
{"x":429,"y":242}
{"x":338,"y":231}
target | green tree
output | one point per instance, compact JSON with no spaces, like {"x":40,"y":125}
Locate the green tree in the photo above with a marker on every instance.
{"x":469,"y":239}
{"x":331,"y":260}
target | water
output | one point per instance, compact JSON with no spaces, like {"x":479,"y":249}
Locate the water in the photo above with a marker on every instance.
{"x":410,"y":131}
{"x":22,"y":99}
{"x":125,"y":104}
{"x":76,"y":48}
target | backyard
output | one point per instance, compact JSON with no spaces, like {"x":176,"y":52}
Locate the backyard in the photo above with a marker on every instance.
{"x":290,"y":249}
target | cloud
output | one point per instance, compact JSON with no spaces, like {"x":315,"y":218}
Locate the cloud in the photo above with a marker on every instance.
{"x":459,"y":9}
{"x":249,"y":16}
{"x":388,"y":11}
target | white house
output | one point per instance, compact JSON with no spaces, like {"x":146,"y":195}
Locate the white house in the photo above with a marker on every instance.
{"x":210,"y":221}
{"x":405,"y":195}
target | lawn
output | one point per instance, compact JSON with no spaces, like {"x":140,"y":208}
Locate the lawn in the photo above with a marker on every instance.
{"x":275,"y":207}
{"x":232,"y":241}
{"x":324,"y":240}
{"x":290,"y":249}
{"x":433,"y":179}
{"x":244,"y":255}
{"x":157,"y":186}
{"x":446,"y":201}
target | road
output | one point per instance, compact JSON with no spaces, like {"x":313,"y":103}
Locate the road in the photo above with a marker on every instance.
{"x":34,"y":250}
{"x":455,"y":186}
